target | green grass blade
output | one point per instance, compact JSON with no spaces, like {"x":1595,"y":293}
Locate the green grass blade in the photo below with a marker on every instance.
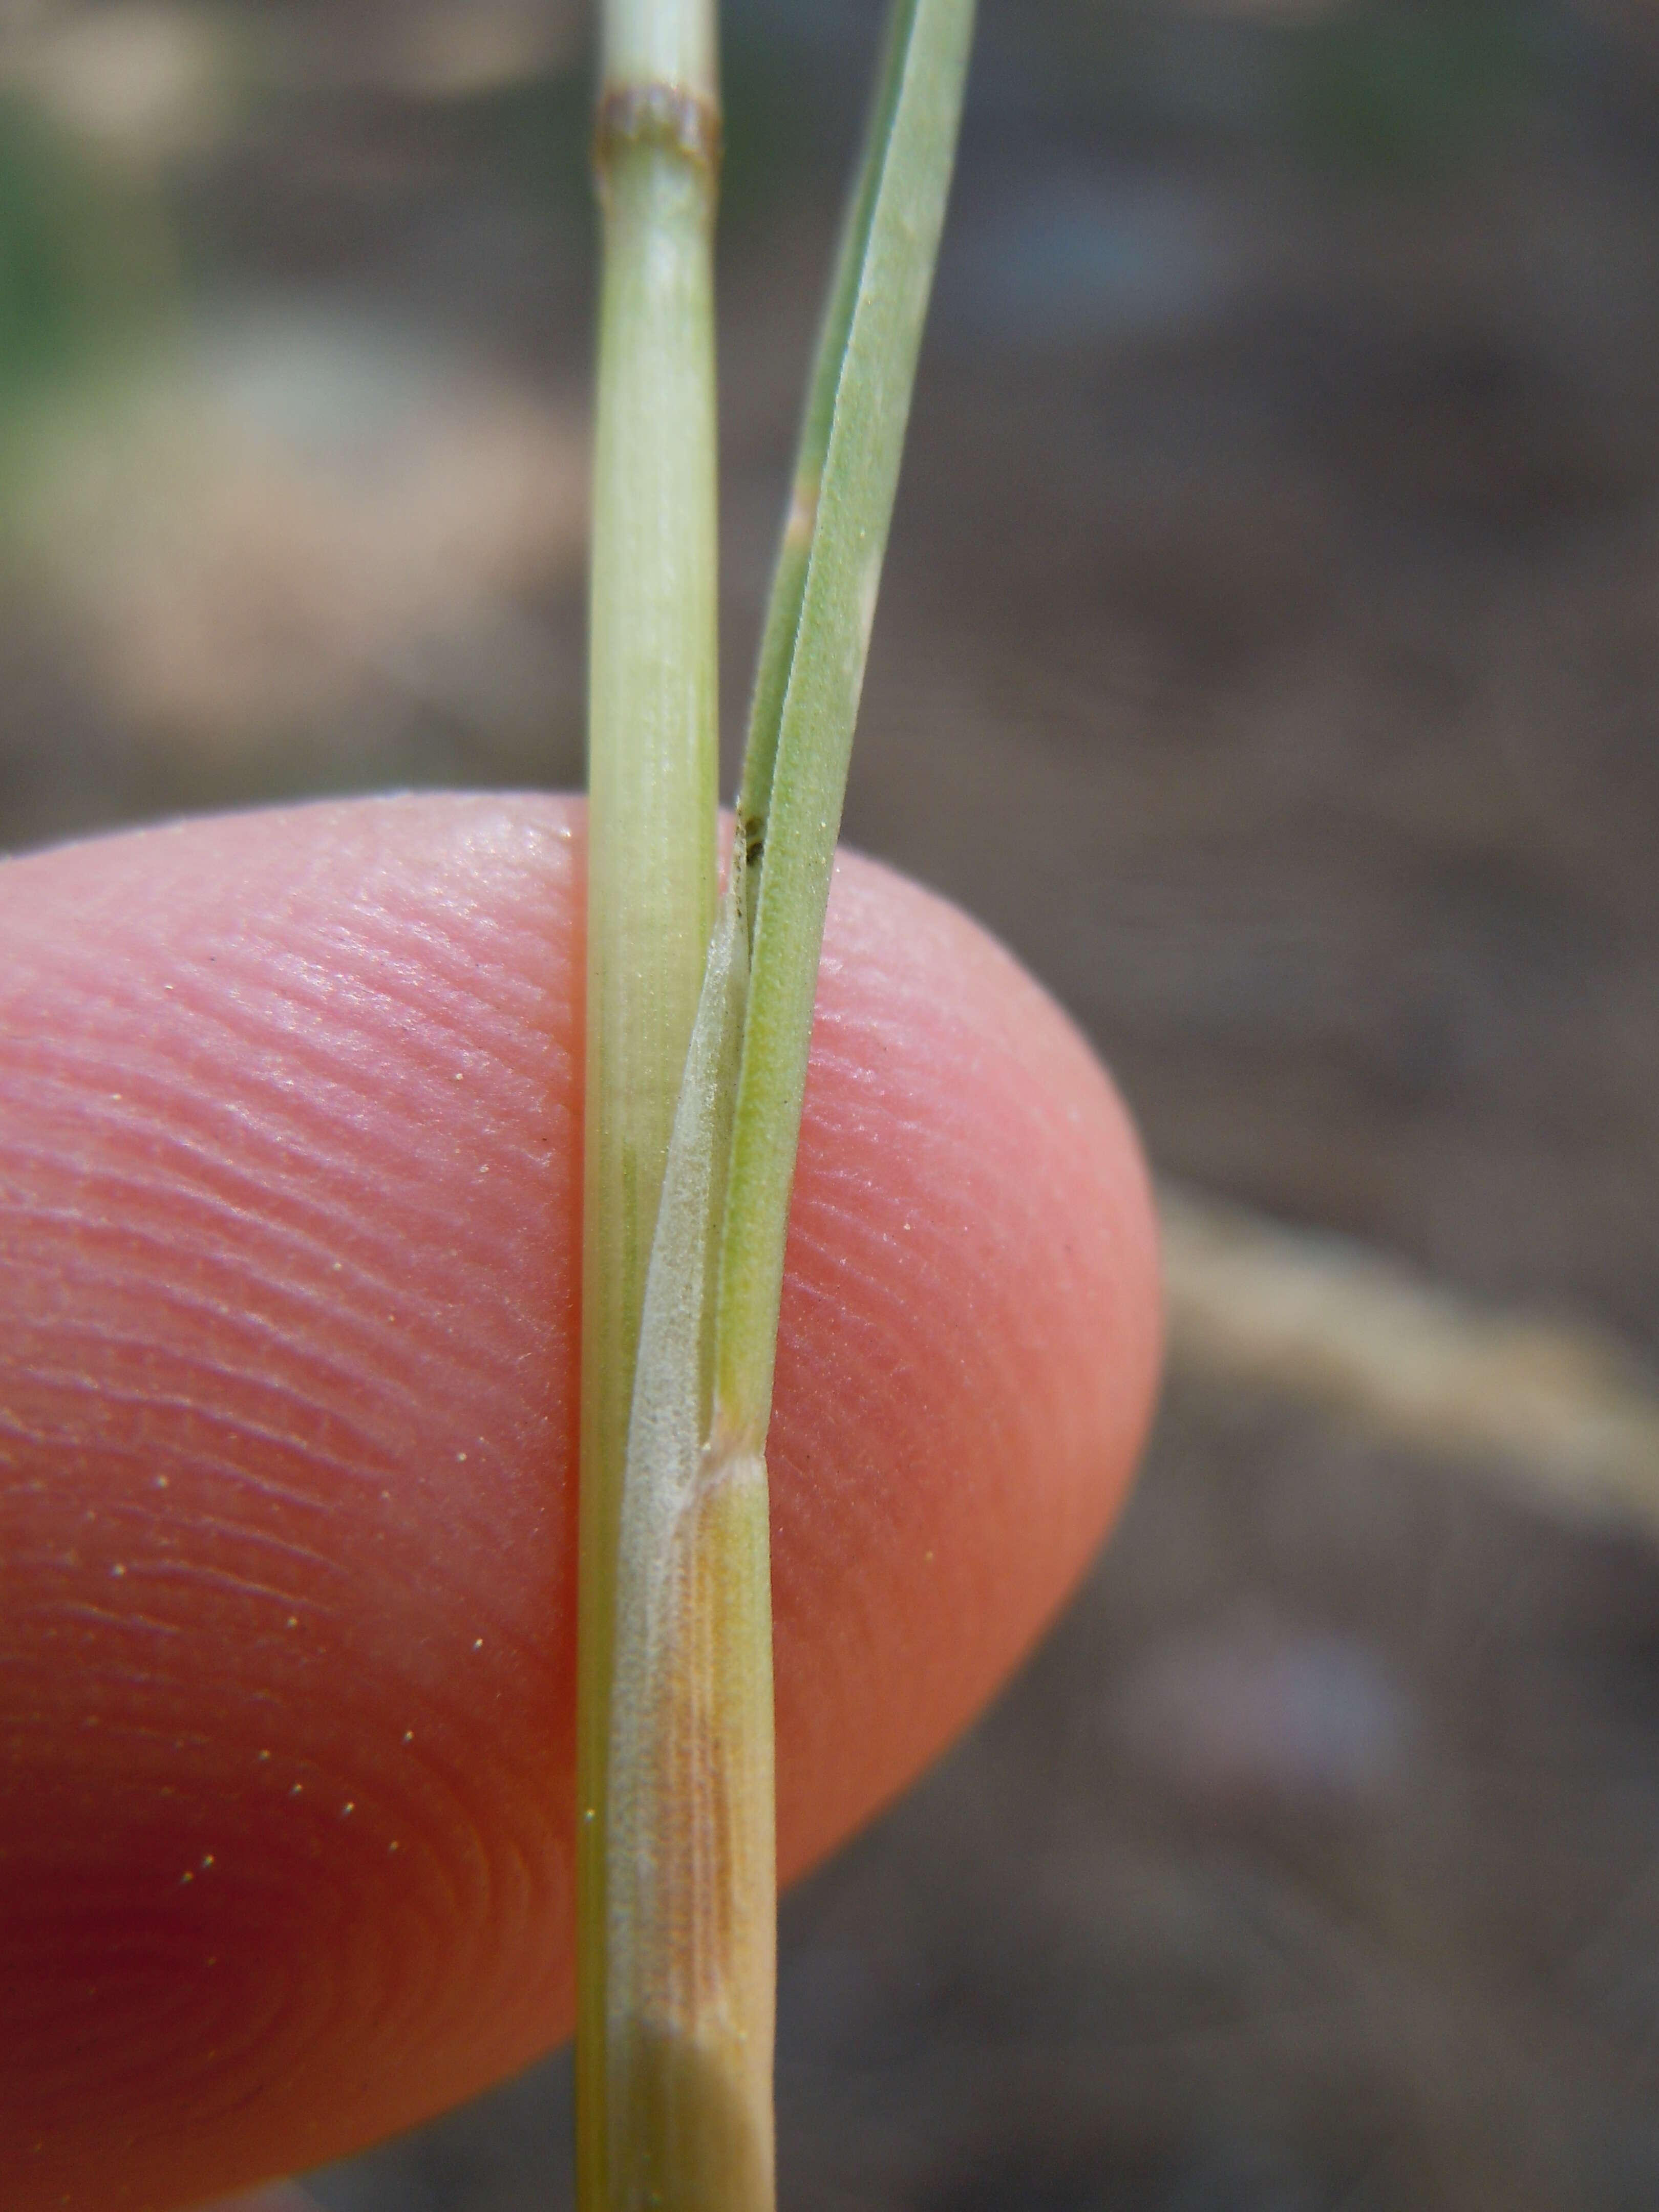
{"x":777,"y":651}
{"x":854,"y":510}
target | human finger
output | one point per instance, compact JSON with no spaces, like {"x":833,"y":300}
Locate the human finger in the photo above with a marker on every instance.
{"x":289,"y":1235}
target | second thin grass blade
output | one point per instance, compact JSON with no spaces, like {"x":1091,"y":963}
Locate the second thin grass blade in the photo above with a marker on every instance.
{"x":922,"y":93}
{"x":777,"y":652}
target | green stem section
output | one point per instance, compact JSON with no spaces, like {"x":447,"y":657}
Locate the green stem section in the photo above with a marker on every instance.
{"x":887,"y":264}
{"x":652,"y":771}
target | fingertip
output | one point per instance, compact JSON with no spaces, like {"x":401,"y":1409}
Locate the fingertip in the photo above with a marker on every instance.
{"x":290,"y":1233}
{"x":290,"y":1219}
{"x":277,"y":2197}
{"x":969,"y":1348}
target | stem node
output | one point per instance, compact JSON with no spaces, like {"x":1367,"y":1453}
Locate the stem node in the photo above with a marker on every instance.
{"x":667,"y":117}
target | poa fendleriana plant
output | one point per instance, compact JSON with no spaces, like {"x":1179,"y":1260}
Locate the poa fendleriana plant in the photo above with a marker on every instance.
{"x":699,"y":1013}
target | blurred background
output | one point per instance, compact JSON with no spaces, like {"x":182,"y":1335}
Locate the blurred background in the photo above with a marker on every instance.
{"x":1270,"y":653}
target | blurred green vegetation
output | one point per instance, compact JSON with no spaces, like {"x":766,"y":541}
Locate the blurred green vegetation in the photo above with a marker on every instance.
{"x":86,"y":269}
{"x":1379,"y":92}
{"x":1375,"y":92}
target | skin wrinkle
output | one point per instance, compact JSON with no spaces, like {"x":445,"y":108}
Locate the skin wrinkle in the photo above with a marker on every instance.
{"x":467,"y":1905}
{"x":168,"y":1148}
{"x":435,"y":977}
{"x":477,"y":1898}
{"x":208,"y":1218}
{"x":261,"y":1327}
{"x":338,"y":978}
{"x":381,"y":1339}
{"x":172,"y":1927}
{"x":241,"y":1197}
{"x":171,"y":1254}
{"x":339,"y":1084}
{"x":82,"y":1610}
{"x":215,"y":1425}
{"x":217,"y":1580}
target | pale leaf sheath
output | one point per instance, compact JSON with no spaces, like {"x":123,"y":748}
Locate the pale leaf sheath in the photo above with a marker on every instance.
{"x":691,"y":1907}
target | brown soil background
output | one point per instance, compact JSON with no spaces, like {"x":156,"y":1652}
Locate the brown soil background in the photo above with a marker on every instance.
{"x":1270,"y":654}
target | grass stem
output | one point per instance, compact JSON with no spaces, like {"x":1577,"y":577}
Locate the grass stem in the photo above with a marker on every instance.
{"x":653,"y":783}
{"x":686,"y":1224}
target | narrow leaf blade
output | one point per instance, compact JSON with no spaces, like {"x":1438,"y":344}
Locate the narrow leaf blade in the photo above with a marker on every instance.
{"x":782,"y":625}
{"x":849,"y":538}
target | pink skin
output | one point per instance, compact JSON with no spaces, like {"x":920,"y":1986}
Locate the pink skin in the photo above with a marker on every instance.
{"x":289,"y":1225}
